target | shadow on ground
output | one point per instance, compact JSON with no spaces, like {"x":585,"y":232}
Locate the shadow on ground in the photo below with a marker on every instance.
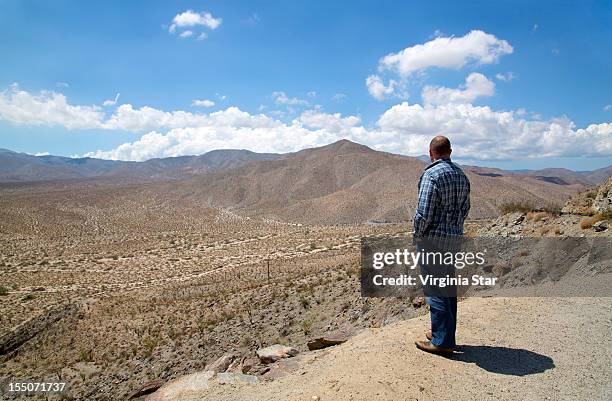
{"x":503,"y":360}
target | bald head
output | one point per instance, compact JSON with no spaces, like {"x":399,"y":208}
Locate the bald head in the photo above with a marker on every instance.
{"x":439,"y":147}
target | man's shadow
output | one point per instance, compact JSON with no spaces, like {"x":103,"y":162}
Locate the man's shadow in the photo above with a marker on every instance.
{"x":503,"y":360}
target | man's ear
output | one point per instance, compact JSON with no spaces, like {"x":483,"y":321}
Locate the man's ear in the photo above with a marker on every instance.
{"x":431,"y":156}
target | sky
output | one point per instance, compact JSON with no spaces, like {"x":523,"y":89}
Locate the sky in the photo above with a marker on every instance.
{"x":513,"y":84}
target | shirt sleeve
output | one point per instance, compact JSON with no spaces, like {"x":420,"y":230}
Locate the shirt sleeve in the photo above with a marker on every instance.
{"x":428,"y":199}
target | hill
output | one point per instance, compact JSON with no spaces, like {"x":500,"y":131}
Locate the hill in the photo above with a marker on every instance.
{"x":345,"y":182}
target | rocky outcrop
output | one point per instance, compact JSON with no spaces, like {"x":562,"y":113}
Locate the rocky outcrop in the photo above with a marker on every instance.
{"x":595,"y":200}
{"x":30,"y":328}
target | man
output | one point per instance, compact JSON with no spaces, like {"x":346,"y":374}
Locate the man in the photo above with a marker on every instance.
{"x":444,"y":203}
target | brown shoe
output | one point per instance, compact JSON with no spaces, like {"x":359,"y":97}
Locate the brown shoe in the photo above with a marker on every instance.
{"x":428,"y":335}
{"x":427,"y":346}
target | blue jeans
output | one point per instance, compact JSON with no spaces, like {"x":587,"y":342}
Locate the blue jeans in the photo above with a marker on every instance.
{"x":443,"y":312}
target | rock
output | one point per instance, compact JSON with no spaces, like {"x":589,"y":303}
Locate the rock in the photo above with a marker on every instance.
{"x":147,"y":388}
{"x":327,"y":340}
{"x":417,"y":302}
{"x":275,"y":352}
{"x":600,"y":226}
{"x":232,"y":378}
{"x":254,"y":366}
{"x":603,"y":199}
{"x":221,"y":364}
{"x":185,"y":386}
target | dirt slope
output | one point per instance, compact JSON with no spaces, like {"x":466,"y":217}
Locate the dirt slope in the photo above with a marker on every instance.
{"x":512,"y":348}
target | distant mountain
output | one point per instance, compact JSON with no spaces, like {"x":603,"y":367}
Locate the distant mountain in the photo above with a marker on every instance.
{"x":341,"y":183}
{"x":350,"y":183}
{"x":20,"y":167}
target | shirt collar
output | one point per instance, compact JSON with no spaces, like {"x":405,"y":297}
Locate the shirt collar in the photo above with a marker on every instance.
{"x":438,"y":161}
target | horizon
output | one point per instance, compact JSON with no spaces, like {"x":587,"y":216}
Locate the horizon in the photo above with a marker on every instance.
{"x":420,"y":157}
{"x":174,"y":80}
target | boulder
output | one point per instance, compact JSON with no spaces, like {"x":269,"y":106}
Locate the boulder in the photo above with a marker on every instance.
{"x":600,"y":226}
{"x":325,"y":341}
{"x":221,"y":364}
{"x":275,"y":352}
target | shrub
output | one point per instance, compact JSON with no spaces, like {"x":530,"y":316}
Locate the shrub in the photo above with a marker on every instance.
{"x":3,"y":291}
{"x":607,"y":214}
{"x":512,"y":207}
{"x":307,"y":326}
{"x":588,"y":222}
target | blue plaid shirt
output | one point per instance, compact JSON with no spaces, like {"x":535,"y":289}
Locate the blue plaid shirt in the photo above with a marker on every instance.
{"x":444,"y":200}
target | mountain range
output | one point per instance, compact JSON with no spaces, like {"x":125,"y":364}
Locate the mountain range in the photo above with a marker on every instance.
{"x":340,"y":183}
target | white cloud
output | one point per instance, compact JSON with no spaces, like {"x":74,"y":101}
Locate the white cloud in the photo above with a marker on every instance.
{"x":186,"y":34}
{"x":485,"y":134}
{"x":62,"y":84}
{"x":203,"y":103}
{"x":202,"y":36}
{"x":191,"y":18}
{"x":42,"y":154}
{"x":377,"y":87}
{"x":282,"y":98}
{"x":112,"y":102}
{"x":447,"y":52}
{"x":607,"y":107}
{"x":477,"y":132}
{"x":144,"y":118}
{"x":312,"y":94}
{"x":506,"y":76}
{"x":476,"y":85}
{"x":46,"y":108}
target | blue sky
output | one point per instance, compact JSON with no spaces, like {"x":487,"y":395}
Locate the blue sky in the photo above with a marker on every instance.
{"x":279,"y":73}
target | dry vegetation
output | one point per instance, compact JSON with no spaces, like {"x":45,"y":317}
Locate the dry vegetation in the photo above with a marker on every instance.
{"x":165,"y":286}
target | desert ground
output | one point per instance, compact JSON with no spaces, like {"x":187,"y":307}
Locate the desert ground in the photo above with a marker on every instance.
{"x":110,"y":286}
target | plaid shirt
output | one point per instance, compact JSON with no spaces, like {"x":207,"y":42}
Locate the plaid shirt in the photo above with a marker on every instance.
{"x":444,"y":200}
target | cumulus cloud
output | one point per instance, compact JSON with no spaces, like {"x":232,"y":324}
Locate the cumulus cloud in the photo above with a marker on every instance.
{"x":112,"y":102}
{"x":186,"y":34}
{"x":477,"y":132}
{"x":447,"y":52}
{"x":377,"y":87}
{"x":127,"y":118}
{"x":607,"y":107}
{"x":231,"y":128}
{"x":191,"y":18}
{"x":476,"y":85}
{"x":485,"y":134}
{"x":339,"y":97}
{"x":203,"y":103}
{"x":46,"y":108}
